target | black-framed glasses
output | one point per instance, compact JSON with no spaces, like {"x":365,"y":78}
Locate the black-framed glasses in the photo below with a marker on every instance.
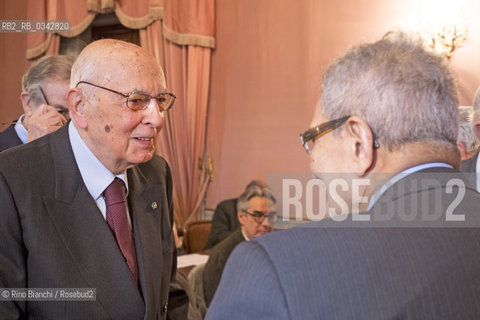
{"x":43,"y":95}
{"x":138,"y":101}
{"x":260,"y":216}
{"x":308,"y":137}
{"x":60,"y":109}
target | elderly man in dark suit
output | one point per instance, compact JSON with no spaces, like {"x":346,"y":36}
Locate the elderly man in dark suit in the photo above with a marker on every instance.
{"x":90,"y":205}
{"x":388,"y":108}
{"x":470,"y":167}
{"x":44,"y":101}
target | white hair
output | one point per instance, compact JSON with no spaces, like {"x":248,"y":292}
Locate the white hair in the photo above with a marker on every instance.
{"x":404,"y":92}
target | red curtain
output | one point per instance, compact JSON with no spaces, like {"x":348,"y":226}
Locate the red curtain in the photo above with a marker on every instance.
{"x":180,"y":34}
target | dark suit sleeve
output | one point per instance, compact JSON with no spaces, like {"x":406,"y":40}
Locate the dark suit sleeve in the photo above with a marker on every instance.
{"x":249,"y":287}
{"x":13,"y":273}
{"x":220,"y":224}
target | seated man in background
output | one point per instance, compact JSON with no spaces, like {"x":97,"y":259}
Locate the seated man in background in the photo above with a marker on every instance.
{"x":388,"y":109}
{"x":224,"y":220}
{"x":256,"y":214}
{"x":466,"y":142}
{"x":44,"y":100}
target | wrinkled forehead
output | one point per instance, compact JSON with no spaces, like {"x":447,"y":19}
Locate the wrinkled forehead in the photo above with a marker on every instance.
{"x":261,"y":203}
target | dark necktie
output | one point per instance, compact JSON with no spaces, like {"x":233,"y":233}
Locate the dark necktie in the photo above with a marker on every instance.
{"x":118,"y":222}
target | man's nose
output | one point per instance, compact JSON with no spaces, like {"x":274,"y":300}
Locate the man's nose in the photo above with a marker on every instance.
{"x":266,"y":223}
{"x":154,"y":116}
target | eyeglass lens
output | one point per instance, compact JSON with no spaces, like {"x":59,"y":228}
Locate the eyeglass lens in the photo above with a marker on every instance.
{"x":140,"y":101}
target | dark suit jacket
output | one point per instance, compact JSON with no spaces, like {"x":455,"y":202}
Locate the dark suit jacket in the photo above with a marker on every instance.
{"x":52,"y":235}
{"x":325,"y":271}
{"x":216,"y":262}
{"x":224,"y":222}
{"x":469,"y":168}
{"x":9,"y":138}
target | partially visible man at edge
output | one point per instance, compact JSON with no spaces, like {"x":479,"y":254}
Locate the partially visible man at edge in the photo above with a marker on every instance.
{"x":91,"y":204}
{"x":466,"y":141}
{"x":44,"y":100}
{"x":471,"y":167}
{"x":389,"y":108}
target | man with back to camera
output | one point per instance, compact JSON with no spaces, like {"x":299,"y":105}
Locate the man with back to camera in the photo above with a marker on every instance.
{"x":44,"y":100}
{"x":90,"y":206}
{"x":389,"y":108}
{"x":256,"y":215}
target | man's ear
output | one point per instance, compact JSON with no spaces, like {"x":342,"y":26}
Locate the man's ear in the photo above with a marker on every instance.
{"x":25,"y":97}
{"x":241,"y":217}
{"x":76,"y":105}
{"x":361,"y":147}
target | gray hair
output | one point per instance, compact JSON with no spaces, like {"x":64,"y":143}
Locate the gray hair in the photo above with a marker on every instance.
{"x":465,"y":129}
{"x":254,"y":189}
{"x":47,"y":68}
{"x":404,"y":92}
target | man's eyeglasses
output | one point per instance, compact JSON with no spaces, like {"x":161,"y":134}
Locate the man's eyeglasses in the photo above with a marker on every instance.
{"x":138,"y":101}
{"x":308,"y":137}
{"x":259,"y":216}
{"x":60,"y":109}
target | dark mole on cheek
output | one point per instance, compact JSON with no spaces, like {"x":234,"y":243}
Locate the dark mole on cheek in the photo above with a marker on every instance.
{"x":107,"y":128}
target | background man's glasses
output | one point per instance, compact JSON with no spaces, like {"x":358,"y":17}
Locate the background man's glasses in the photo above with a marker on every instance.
{"x":138,"y":101}
{"x":60,"y":109}
{"x":259,"y":216}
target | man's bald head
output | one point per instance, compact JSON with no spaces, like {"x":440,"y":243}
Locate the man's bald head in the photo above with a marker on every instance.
{"x":110,"y":61}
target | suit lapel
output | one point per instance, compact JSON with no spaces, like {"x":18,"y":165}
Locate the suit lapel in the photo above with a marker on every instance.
{"x":145,"y":206}
{"x":87,"y":237}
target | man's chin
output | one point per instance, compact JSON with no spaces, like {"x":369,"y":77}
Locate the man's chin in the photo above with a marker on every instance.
{"x":263,"y":232}
{"x":142,"y":157}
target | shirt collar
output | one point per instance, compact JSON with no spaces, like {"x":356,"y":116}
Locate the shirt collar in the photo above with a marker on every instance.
{"x":94,"y":174}
{"x":244,"y":235}
{"x":22,"y":133}
{"x":402,"y":175}
{"x":477,"y":170}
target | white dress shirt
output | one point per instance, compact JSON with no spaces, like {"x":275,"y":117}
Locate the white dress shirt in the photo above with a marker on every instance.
{"x":22,"y":133}
{"x":402,"y":175}
{"x":477,"y":170}
{"x":94,"y":174}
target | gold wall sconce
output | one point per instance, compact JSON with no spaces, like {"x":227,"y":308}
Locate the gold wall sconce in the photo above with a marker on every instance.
{"x":446,"y":39}
{"x":441,"y":23}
